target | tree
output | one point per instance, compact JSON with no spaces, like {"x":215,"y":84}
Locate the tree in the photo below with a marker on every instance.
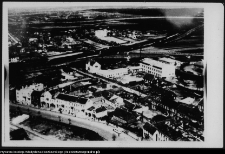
{"x":113,"y":137}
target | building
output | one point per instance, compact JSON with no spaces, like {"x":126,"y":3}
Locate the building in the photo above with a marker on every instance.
{"x":95,"y":67}
{"x":101,"y":33}
{"x":23,"y":94}
{"x":115,"y":73}
{"x":151,"y":132}
{"x":122,"y":117}
{"x":171,"y":61}
{"x":158,"y":68}
{"x":36,"y":98}
{"x":48,"y":97}
{"x":71,"y":104}
{"x":134,"y":69}
{"x":116,"y":101}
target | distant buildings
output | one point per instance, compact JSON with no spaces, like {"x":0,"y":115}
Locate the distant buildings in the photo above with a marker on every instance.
{"x":158,"y":68}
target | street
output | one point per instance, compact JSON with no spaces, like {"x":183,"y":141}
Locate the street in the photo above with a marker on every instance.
{"x":106,"y":131}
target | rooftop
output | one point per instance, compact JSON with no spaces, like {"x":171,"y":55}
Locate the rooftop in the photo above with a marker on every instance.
{"x":70,"y":98}
{"x":187,"y":100}
{"x":148,"y":127}
{"x":100,"y":109}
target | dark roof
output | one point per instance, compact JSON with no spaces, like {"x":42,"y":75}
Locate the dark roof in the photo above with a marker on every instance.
{"x":168,"y":131}
{"x":72,"y":98}
{"x":151,"y":129}
{"x":53,"y":92}
{"x":159,"y":118}
{"x":189,"y":111}
{"x":36,"y":93}
{"x":157,"y":67}
{"x":130,"y":106}
{"x":122,"y":114}
{"x":67,"y":69}
{"x":91,"y":108}
{"x":148,"y":76}
{"x":101,"y":109}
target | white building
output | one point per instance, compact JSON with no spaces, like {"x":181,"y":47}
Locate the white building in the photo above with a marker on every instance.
{"x":33,"y":40}
{"x":158,"y":68}
{"x":23,"y":95}
{"x":95,"y":67}
{"x":101,"y":33}
{"x":153,"y":134}
{"x":68,"y":104}
{"x":116,"y":101}
{"x":113,"y":73}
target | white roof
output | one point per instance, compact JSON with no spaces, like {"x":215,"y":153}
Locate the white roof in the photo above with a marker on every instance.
{"x":188,"y":100}
{"x":157,"y":63}
{"x":140,"y":110}
{"x":114,"y":97}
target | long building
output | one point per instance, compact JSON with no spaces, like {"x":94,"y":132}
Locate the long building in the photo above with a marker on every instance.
{"x":158,"y":68}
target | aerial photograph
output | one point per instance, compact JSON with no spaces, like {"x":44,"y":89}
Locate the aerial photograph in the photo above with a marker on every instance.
{"x":106,"y":73}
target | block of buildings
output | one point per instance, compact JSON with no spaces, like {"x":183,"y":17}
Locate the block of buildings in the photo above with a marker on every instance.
{"x":23,"y":94}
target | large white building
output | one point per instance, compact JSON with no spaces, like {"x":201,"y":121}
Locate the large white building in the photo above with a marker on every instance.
{"x":101,"y":33}
{"x":95,"y":67}
{"x":158,"y":68}
{"x":23,"y":95}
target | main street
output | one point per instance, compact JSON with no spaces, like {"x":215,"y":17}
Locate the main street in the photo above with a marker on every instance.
{"x":106,"y":131}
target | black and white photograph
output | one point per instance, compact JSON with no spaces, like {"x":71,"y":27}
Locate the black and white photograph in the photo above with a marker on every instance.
{"x":120,"y":73}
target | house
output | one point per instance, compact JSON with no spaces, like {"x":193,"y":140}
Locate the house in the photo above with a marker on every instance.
{"x":36,"y":98}
{"x":71,"y":104}
{"x":158,"y":68}
{"x":93,"y":66}
{"x":172,"y":134}
{"x":122,"y":117}
{"x":151,"y":132}
{"x":159,"y":118}
{"x":101,"y":33}
{"x":23,"y":94}
{"x":130,"y":106}
{"x":145,"y":114}
{"x":116,"y":101}
{"x":48,"y":97}
{"x":100,"y":112}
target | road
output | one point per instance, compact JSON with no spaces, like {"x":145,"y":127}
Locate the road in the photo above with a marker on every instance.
{"x":106,"y":131}
{"x":13,"y":38}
